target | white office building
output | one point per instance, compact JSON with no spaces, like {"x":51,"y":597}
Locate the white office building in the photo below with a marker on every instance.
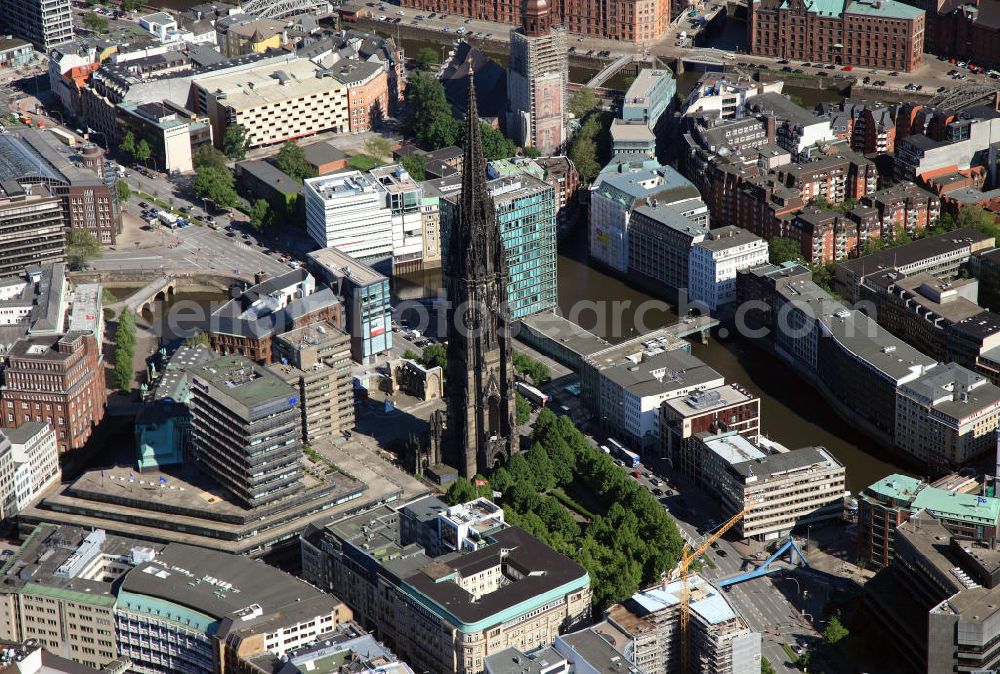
{"x":29,"y":464}
{"x":714,"y":261}
{"x":347,"y":210}
{"x":402,"y":197}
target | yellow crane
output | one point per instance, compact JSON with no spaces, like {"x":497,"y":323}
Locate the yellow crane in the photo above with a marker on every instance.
{"x":681,"y":571}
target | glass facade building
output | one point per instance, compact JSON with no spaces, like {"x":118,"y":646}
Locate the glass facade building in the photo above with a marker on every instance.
{"x":525,"y":210}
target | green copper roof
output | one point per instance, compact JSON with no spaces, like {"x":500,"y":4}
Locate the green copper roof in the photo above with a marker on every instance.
{"x":899,"y":487}
{"x":944,"y":504}
{"x":885,"y":9}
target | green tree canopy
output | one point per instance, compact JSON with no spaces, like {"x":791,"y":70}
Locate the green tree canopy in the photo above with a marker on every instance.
{"x":142,"y":151}
{"x":292,"y":160}
{"x":378,"y":147}
{"x":416,"y":166}
{"x":835,"y":631}
{"x":495,"y":144}
{"x":532,"y":152}
{"x":95,"y":22}
{"x":124,"y":191}
{"x":460,"y":491}
{"x":766,"y":667}
{"x":81,"y":247}
{"x":428,"y":116}
{"x":258,"y":213}
{"x":209,"y":157}
{"x":199,"y":338}
{"x":128,"y":143}
{"x":582,"y":102}
{"x":235,"y":142}
{"x":425,"y":58}
{"x":781,"y":249}
{"x":435,"y":355}
{"x":522,"y":412}
{"x":215,"y":182}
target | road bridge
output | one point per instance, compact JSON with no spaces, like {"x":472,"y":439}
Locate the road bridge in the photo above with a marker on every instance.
{"x":957,"y":98}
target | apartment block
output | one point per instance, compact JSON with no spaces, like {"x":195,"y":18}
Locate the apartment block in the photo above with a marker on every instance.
{"x":346,"y":211}
{"x":31,"y":227}
{"x":714,"y":261}
{"x":366,"y":295}
{"x":904,"y":207}
{"x":244,"y":417}
{"x":883,"y":34}
{"x":273,"y":102}
{"x":43,"y":23}
{"x":884,"y":505}
{"x":481,"y":585}
{"x":720,"y":639}
{"x":316,"y":359}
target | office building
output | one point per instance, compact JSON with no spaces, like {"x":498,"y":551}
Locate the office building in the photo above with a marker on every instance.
{"x":33,"y":302}
{"x":720,"y":639}
{"x":97,"y":598}
{"x":248,"y":324}
{"x":15,"y":52}
{"x":723,"y":96}
{"x":727,"y":408}
{"x":484,"y":586}
{"x":348,"y":646}
{"x":649,"y":96}
{"x":883,"y":34}
{"x":616,"y":195}
{"x":243,"y":418}
{"x":43,"y":24}
{"x":174,"y":134}
{"x":366,"y":297}
{"x":631,"y":390}
{"x":797,"y":129}
{"x":784,"y":490}
{"x":715,"y":260}
{"x":57,"y":380}
{"x":632,"y":140}
{"x":31,"y":227}
{"x":660,"y":241}
{"x":537,"y":74}
{"x":559,"y":172}
{"x":273,"y":102}
{"x":935,"y":606}
{"x":347,"y":211}
{"x":628,"y":21}
{"x":31,"y":451}
{"x":525,"y":211}
{"x":367,"y":85}
{"x":402,"y":197}
{"x":587,"y":650}
{"x":316,"y":360}
{"x":886,"y":504}
{"x":89,"y":197}
{"x":941,"y":255}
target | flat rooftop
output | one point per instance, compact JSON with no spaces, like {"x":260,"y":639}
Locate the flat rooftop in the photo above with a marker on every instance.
{"x":341,"y":265}
{"x":268,"y":84}
{"x":784,"y":464}
{"x":312,"y":335}
{"x":953,"y":392}
{"x":240,"y":380}
{"x":661,"y":372}
{"x":734,"y":448}
{"x":700,"y":402}
{"x":920,"y":252}
{"x":566,"y":333}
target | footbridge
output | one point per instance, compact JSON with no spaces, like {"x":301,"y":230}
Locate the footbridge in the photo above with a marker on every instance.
{"x":769,"y":565}
{"x":158,"y":289}
{"x":609,"y":70}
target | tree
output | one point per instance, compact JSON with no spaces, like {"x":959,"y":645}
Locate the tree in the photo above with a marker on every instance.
{"x":781,"y":249}
{"x":627,"y":82}
{"x":426,"y":57}
{"x":803,"y":660}
{"x":142,"y":151}
{"x":258,"y":213}
{"x":532,"y":152}
{"x":378,"y":147}
{"x":199,"y":338}
{"x":416,"y":166}
{"x":435,"y":355}
{"x":123,"y":371}
{"x":495,"y":144}
{"x":410,"y":354}
{"x":95,"y":22}
{"x":582,"y":102}
{"x":583,"y":154}
{"x":522,"y":412}
{"x":124,"y":191}
{"x":460,"y":491}
{"x":81,"y":247}
{"x":128,"y":143}
{"x":131,"y":5}
{"x":209,"y":157}
{"x":429,"y":117}
{"x":215,"y":183}
{"x":292,"y":160}
{"x":835,"y":631}
{"x":235,"y":142}
{"x":823,"y":276}
{"x":766,"y":667}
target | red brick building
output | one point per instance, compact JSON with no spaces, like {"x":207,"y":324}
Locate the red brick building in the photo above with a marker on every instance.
{"x":966,"y":30}
{"x":627,"y":20}
{"x":866,"y":33}
{"x":367,"y":85}
{"x":58,"y":380}
{"x":904,"y":206}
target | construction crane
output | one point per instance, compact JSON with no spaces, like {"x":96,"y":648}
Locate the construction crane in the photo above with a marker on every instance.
{"x":681,"y":572}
